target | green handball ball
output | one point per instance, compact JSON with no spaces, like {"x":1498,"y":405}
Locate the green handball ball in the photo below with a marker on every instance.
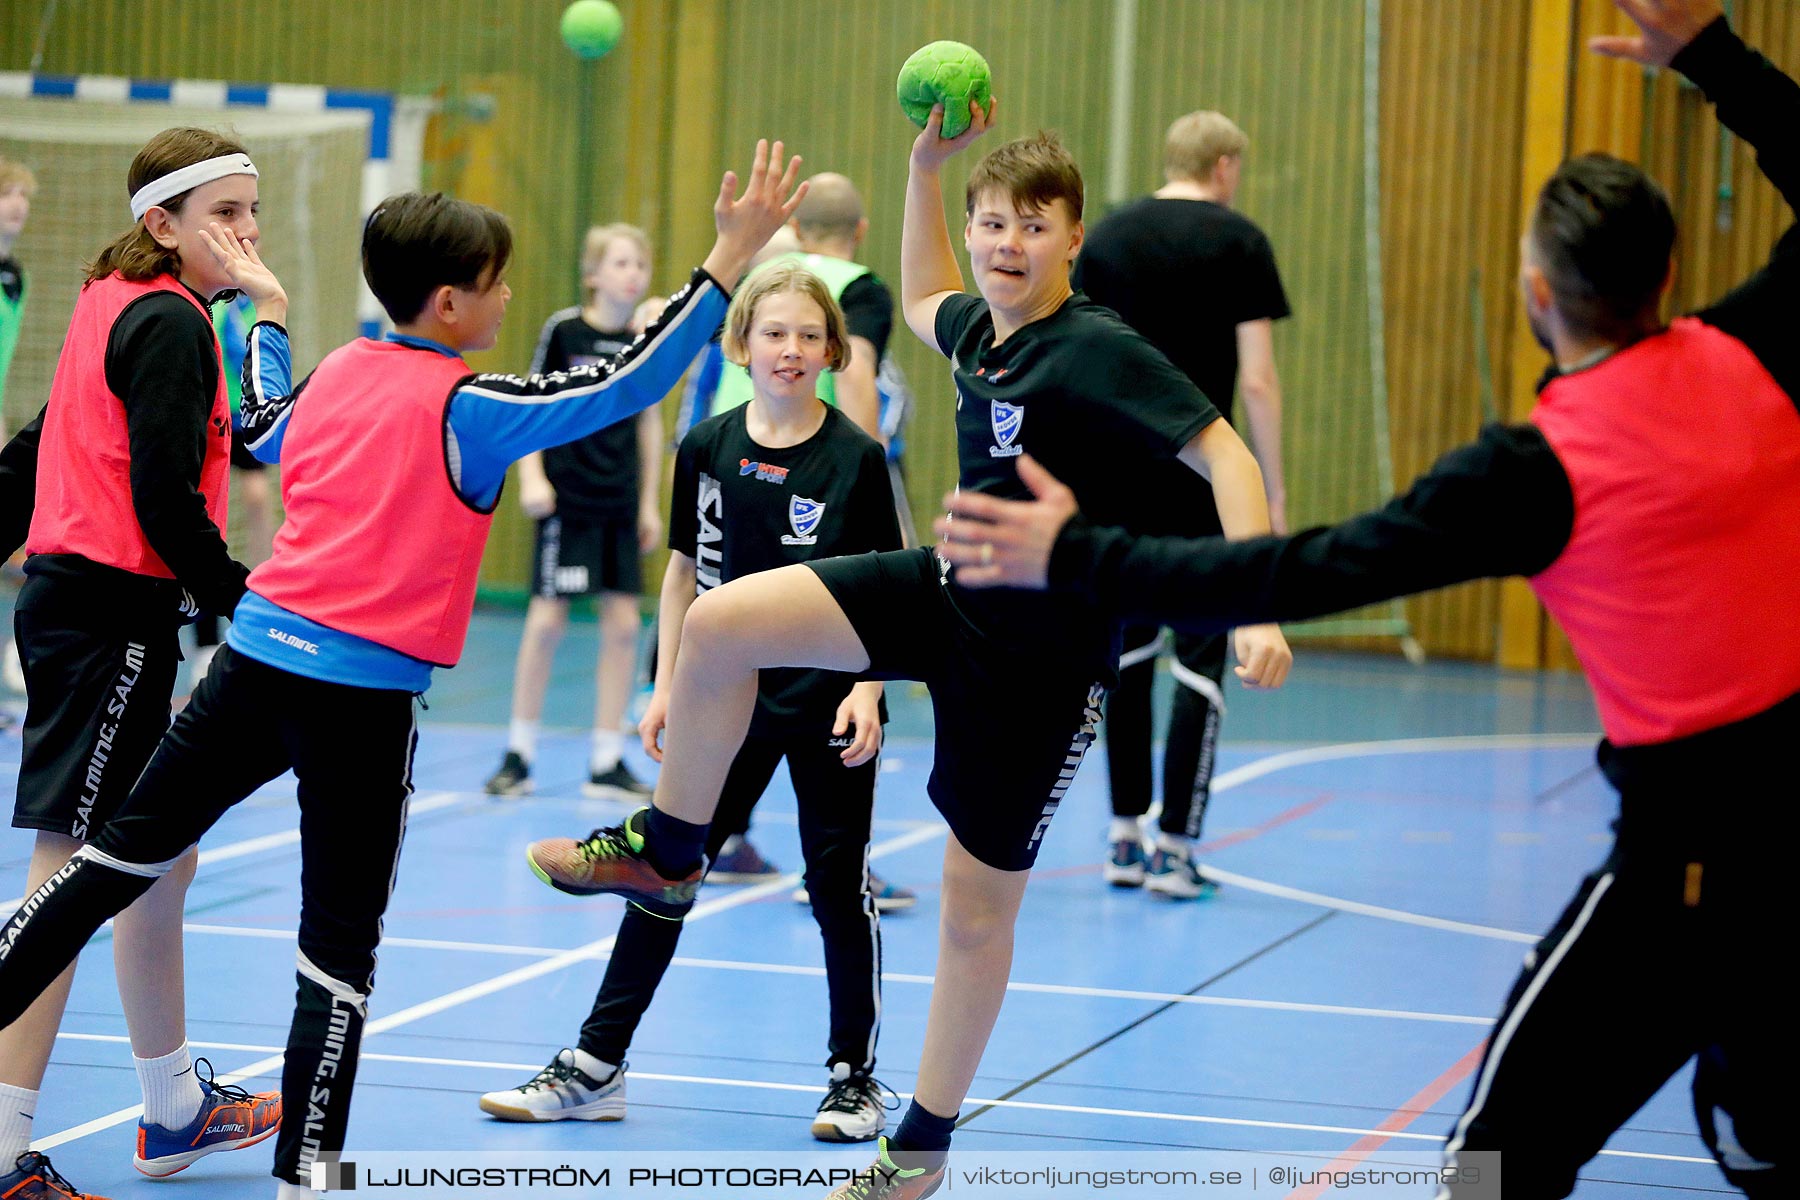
{"x":591,"y":28}
{"x":947,"y":73}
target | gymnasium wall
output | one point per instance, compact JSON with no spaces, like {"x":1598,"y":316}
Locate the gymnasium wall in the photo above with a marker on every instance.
{"x":1474,"y":96}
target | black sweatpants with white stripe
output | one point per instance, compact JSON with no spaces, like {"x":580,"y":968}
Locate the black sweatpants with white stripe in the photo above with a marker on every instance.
{"x":836,"y":804}
{"x":351,"y":750}
{"x":1192,"y":744}
{"x":1668,"y":952}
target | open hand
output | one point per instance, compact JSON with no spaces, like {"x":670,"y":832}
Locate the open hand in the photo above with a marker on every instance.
{"x":745,"y":222}
{"x":1005,"y":543}
{"x":1666,"y":26}
{"x":244,"y":267}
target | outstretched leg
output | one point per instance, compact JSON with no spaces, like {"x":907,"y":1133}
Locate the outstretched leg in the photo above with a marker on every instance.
{"x":780,"y":618}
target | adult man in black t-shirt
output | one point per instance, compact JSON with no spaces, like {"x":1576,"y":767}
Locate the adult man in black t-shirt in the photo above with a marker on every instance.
{"x":1200,"y":282}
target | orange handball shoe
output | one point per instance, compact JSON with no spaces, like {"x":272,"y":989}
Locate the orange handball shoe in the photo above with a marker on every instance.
{"x":611,"y":861}
{"x":229,"y":1119}
{"x":33,"y":1178}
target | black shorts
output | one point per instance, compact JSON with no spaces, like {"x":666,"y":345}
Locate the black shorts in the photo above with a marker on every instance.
{"x":99,"y":671}
{"x":580,"y":556}
{"x":1011,"y":729}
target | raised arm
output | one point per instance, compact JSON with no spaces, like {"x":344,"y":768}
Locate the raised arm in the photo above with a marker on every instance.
{"x":496,"y":419}
{"x":268,"y":391}
{"x":928,"y":270}
{"x":1760,"y":104}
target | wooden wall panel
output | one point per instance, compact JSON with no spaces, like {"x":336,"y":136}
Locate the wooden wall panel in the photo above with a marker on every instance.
{"x":479,"y":57}
{"x":1453,"y":76}
{"x":695,"y":81}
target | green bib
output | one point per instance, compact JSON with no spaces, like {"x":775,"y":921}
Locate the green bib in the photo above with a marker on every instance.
{"x":12,"y":316}
{"x":838,"y":274}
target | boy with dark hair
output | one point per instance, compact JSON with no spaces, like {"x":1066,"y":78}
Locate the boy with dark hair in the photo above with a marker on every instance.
{"x":392,"y":455}
{"x":1652,"y":499}
{"x":1016,"y":680}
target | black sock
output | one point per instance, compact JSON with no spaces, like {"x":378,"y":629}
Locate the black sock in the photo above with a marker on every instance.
{"x":924,"y":1135}
{"x":673,"y":847}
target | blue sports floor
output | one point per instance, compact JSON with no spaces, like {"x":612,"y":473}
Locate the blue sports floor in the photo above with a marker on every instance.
{"x":1390,"y":839}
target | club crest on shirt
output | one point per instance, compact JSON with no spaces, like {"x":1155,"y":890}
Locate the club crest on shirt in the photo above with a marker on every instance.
{"x":1006,"y":420}
{"x":803,"y":517}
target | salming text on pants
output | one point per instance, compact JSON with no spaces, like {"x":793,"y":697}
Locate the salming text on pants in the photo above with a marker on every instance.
{"x":1193,"y":738}
{"x":835,"y":805}
{"x":1668,"y":951}
{"x":100,"y":655}
{"x":351,"y":750}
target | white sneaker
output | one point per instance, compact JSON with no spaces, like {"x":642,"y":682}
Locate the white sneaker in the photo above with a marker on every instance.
{"x":852,"y":1110}
{"x":1175,"y":874}
{"x":561,"y":1091}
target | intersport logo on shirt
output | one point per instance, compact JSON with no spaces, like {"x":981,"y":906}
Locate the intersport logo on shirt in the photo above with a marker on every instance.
{"x":767,"y":472}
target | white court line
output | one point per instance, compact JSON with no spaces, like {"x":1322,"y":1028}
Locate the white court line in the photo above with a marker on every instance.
{"x":1036,"y":1106}
{"x":1233,"y":879}
{"x":1319,"y":754}
{"x":1236,"y":777}
{"x":1049,"y":989}
{"x":270,"y":841}
{"x":487,"y":987}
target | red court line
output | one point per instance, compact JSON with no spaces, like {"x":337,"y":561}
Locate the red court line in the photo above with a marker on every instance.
{"x":1396,"y":1121}
{"x":1279,"y":819}
{"x":1219,"y":843}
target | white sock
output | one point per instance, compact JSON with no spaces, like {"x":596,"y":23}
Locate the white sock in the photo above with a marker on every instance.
{"x":521,"y":739}
{"x":1174,"y":843}
{"x":1124,"y":829}
{"x":592,"y":1067}
{"x":609,"y":748}
{"x":293,"y":1191}
{"x":17,"y":1106}
{"x":172,"y":1094}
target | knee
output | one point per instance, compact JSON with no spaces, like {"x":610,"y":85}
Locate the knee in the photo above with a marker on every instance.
{"x":714,"y":633}
{"x":969,"y":926}
{"x":546,"y":621}
{"x":619,"y":621}
{"x":183,"y":871}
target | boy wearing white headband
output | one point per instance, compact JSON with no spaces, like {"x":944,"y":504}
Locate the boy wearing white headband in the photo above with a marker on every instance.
{"x":118,"y":491}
